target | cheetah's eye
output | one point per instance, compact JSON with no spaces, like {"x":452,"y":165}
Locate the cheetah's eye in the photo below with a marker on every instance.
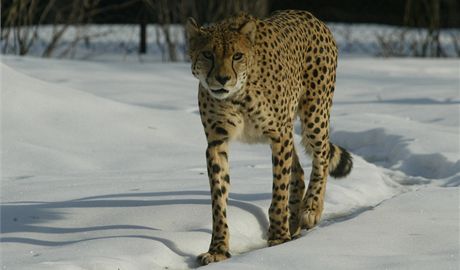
{"x":237,"y":56}
{"x":207,"y":55}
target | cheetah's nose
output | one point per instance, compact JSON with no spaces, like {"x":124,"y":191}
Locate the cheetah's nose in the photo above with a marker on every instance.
{"x":222,"y":79}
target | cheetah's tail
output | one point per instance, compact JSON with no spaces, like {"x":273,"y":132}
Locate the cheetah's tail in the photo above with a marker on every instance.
{"x":340,"y":161}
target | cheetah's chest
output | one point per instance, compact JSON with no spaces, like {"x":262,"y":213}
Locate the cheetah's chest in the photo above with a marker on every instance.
{"x":250,"y":132}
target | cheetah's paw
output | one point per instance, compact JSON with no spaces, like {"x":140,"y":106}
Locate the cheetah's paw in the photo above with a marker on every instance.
{"x":274,"y":242}
{"x":209,"y":257}
{"x":312,"y":214}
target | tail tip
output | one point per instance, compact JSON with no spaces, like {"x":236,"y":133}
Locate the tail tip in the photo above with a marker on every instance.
{"x":344,"y":166}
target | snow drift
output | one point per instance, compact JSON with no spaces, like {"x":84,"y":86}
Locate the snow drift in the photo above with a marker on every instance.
{"x":103,"y":168}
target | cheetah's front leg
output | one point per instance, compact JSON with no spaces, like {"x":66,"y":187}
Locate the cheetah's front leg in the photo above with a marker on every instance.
{"x":219,"y":180}
{"x":279,"y":209}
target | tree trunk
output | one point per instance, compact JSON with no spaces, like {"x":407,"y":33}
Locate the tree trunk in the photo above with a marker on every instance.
{"x":143,"y":35}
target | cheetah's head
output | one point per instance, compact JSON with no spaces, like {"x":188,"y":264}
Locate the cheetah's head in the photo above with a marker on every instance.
{"x":221,"y":54}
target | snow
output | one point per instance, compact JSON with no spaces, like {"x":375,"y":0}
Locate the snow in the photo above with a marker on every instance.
{"x":409,"y":243}
{"x":103,"y":168}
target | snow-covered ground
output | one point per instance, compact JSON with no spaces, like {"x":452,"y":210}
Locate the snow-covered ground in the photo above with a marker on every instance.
{"x":103,"y":168}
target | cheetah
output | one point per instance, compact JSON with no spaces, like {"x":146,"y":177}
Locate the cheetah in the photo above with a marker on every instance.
{"x":256,"y":76}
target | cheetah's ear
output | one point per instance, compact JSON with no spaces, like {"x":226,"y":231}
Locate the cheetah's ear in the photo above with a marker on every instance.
{"x":249,"y":29}
{"x":192,"y":28}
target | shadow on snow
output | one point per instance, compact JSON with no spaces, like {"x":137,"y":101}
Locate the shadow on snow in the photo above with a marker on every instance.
{"x":29,"y":216}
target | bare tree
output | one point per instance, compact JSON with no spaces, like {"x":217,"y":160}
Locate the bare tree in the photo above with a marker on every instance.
{"x":77,"y":13}
{"x":24,"y":18}
{"x":456,"y":43}
{"x":167,"y":13}
{"x":425,"y":14}
{"x":143,"y":22}
{"x":421,"y":36}
{"x":166,"y":16}
{"x":22,"y":22}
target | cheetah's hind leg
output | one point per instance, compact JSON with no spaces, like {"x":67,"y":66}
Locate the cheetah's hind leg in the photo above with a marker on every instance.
{"x":297,"y":192}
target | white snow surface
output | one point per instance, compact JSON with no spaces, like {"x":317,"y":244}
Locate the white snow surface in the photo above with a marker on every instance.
{"x":103,"y":167}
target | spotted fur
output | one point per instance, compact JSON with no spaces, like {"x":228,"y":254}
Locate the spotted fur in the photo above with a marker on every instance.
{"x":256,"y":76}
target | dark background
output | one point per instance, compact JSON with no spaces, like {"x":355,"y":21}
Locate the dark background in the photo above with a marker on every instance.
{"x":391,"y":12}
